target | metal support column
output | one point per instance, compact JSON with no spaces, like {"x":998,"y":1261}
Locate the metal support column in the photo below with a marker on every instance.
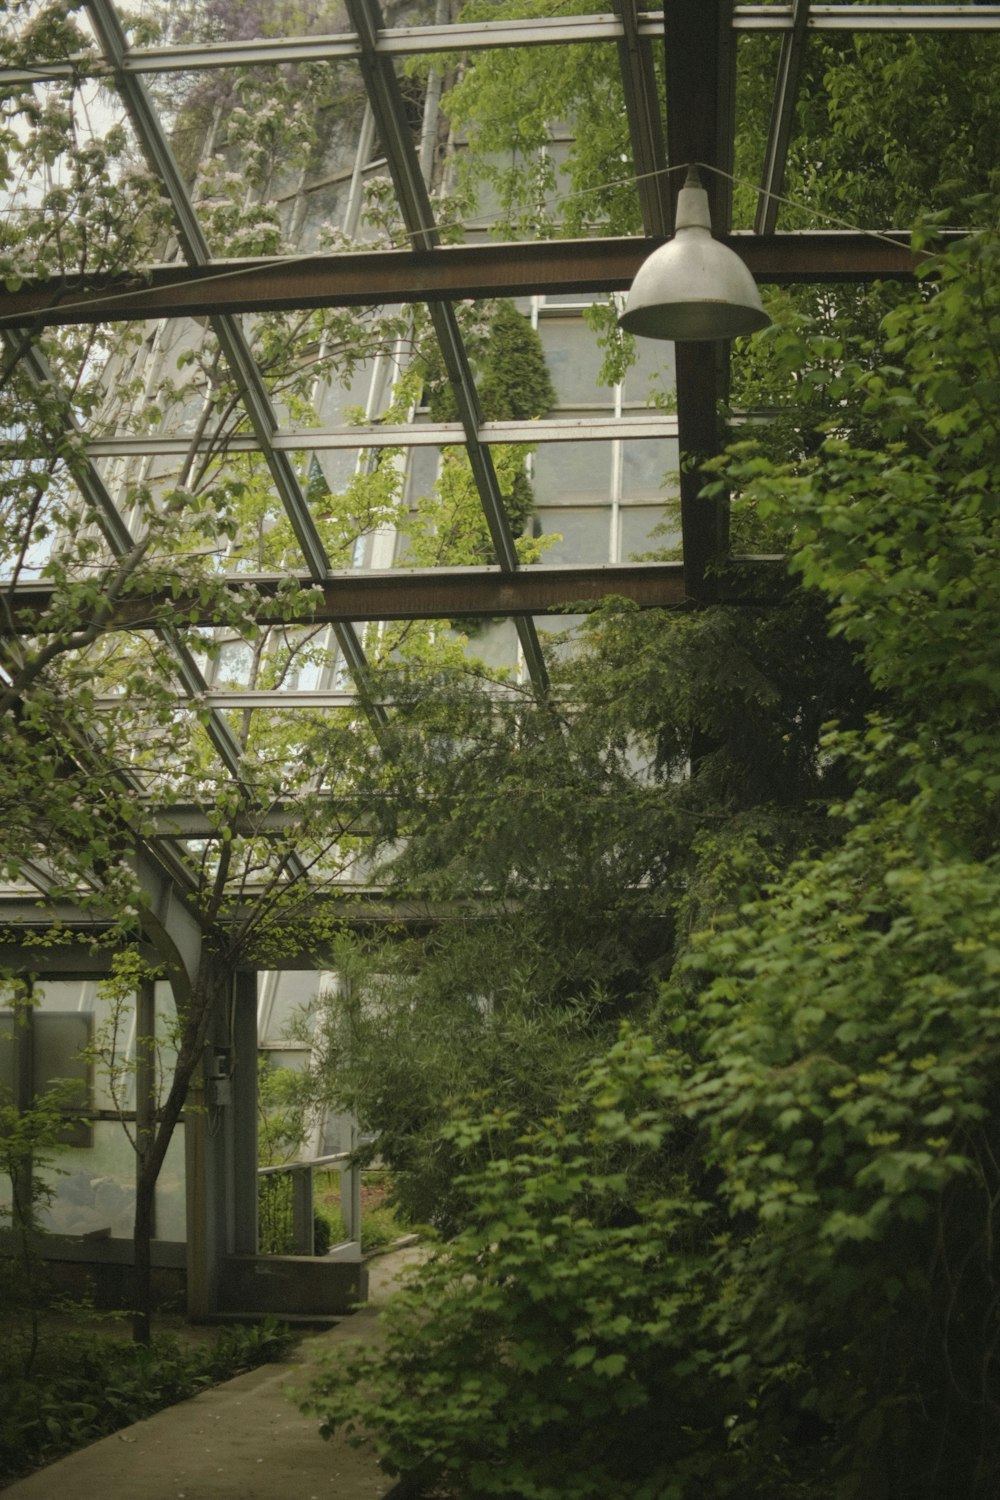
{"x":242,"y":1115}
{"x":208,"y":1163}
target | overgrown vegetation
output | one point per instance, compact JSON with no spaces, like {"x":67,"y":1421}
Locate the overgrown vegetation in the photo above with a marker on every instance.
{"x":65,"y":1380}
{"x":699,"y":1078}
{"x":84,"y":1384}
{"x":747,"y":1250}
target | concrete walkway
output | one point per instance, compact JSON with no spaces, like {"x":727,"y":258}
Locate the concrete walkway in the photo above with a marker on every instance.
{"x":244,"y":1440}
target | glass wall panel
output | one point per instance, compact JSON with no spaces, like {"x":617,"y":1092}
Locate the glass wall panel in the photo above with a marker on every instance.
{"x":330,"y":471}
{"x":422,"y":472}
{"x":165,"y":1023}
{"x":171,"y":1206}
{"x":649,"y":528}
{"x":60,"y":1042}
{"x":336,"y":1134}
{"x":584,"y":535}
{"x":8,"y":1057}
{"x":291,"y":1059}
{"x":654,"y":370}
{"x":649,"y":468}
{"x":283,"y":999}
{"x":324,"y":208}
{"x":565,"y":473}
{"x":65,"y":994}
{"x":493,"y":642}
{"x":574,"y":360}
{"x":93,"y":1187}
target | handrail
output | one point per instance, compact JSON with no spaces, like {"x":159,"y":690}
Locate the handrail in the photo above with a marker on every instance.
{"x":303,"y":1226}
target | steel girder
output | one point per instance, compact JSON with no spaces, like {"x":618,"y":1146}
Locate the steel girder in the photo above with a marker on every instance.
{"x":446,"y":273}
{"x":414,"y":41}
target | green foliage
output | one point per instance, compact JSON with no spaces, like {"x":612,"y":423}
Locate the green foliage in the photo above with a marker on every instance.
{"x":750,"y":1250}
{"x":513,"y":384}
{"x":596,"y":854}
{"x":507,"y":105}
{"x":86,"y":1385}
{"x":32,"y":1136}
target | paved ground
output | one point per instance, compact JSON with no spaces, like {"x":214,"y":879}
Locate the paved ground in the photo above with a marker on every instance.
{"x":244,"y":1440}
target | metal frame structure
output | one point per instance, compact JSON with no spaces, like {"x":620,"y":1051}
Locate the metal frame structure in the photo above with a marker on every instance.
{"x":700,"y":39}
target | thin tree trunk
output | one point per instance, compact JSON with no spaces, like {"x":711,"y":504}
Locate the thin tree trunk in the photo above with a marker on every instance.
{"x":154,"y":1145}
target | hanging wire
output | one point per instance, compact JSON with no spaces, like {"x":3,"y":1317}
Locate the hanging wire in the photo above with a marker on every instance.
{"x":282,"y":261}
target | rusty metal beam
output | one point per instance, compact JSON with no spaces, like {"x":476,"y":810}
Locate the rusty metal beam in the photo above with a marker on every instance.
{"x":451,"y":273}
{"x":402,"y":594}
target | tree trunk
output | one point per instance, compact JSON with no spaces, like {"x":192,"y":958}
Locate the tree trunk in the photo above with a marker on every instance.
{"x":142,"y":1244}
{"x":152,"y":1144}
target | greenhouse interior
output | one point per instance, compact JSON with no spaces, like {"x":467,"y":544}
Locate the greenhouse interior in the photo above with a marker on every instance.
{"x":490,"y":740}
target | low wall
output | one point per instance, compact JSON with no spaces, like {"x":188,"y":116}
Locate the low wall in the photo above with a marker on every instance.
{"x":99,"y":1270}
{"x":291,"y":1284}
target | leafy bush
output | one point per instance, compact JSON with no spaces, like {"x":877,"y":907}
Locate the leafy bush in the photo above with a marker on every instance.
{"x":753,"y":1251}
{"x":539,"y":1353}
{"x":84,"y":1386}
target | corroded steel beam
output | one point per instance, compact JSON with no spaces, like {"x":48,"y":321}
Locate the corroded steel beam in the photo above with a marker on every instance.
{"x":401,"y":594}
{"x":370,"y":278}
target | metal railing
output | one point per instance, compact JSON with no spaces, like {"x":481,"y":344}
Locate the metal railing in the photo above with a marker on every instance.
{"x":293,"y":1207}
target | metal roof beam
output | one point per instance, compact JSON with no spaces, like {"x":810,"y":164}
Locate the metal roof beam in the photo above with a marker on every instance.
{"x":786,"y":93}
{"x":870,"y":18}
{"x":412,"y":41}
{"x":597,"y":429}
{"x":399,"y":594}
{"x":452,"y":273}
{"x":397,"y":41}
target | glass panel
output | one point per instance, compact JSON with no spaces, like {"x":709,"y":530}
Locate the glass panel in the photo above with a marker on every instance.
{"x":556,"y":625}
{"x":336,"y":1134}
{"x":283,"y":999}
{"x":649,"y":467}
{"x":649,"y":528}
{"x":93,"y":1188}
{"x":321,"y":208}
{"x":654,"y":370}
{"x":291,"y":1059}
{"x":422,"y":472}
{"x":492,"y":641}
{"x":574,"y":360}
{"x":59,"y":1041}
{"x":567,"y":299}
{"x":584,"y":535}
{"x":330,"y":472}
{"x":570,"y":472}
{"x":111,"y":1028}
{"x":171,"y":1205}
{"x":334,"y":398}
{"x":65,"y":994}
{"x":165,"y":1024}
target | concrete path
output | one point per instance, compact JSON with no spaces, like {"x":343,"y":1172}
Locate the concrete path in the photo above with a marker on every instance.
{"x":244,"y":1440}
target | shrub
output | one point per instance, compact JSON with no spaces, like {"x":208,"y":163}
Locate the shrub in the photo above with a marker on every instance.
{"x":84,"y":1386}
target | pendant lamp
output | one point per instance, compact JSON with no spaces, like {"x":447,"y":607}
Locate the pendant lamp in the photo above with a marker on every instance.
{"x":693,"y":287}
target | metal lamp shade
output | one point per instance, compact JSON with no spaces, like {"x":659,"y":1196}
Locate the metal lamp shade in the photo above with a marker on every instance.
{"x":693,"y":287}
